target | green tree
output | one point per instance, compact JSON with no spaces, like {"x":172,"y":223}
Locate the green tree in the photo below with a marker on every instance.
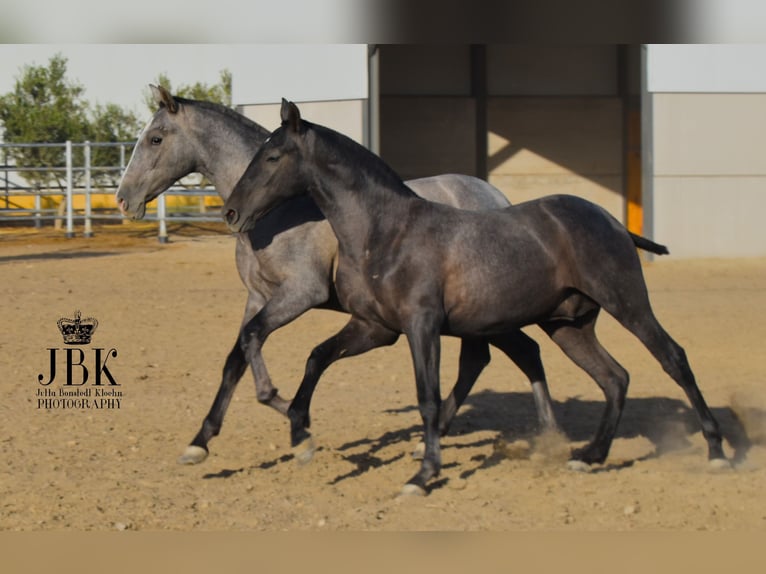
{"x":110,"y":123}
{"x":219,"y":93}
{"x":44,"y":107}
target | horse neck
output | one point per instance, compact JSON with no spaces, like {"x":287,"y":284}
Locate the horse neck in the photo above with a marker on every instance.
{"x":361,"y":206}
{"x":225,"y":147}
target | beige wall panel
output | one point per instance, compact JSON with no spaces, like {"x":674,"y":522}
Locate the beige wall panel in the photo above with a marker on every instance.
{"x":518,"y":188}
{"x":345,"y":116}
{"x":428,"y":135}
{"x":540,"y":146}
{"x":555,"y":135}
{"x":709,"y":134}
{"x":710,"y":217}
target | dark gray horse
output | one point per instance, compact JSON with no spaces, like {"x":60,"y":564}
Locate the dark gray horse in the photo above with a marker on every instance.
{"x":287,"y":261}
{"x":423,"y":269}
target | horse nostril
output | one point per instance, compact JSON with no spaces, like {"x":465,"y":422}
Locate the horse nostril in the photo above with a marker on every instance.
{"x":232,"y":216}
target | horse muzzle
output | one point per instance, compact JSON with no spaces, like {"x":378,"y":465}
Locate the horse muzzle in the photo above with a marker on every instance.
{"x":130,"y":211}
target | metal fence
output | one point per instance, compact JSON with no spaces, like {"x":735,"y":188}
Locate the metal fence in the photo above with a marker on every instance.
{"x":21,"y":203}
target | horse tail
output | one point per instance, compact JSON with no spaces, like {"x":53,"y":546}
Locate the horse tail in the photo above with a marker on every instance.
{"x":648,"y":245}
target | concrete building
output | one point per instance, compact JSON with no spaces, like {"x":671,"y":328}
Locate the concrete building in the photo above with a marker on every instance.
{"x":666,"y":137}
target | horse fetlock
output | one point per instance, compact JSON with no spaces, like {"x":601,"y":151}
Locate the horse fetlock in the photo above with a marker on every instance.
{"x":298,"y":420}
{"x":193,"y":455}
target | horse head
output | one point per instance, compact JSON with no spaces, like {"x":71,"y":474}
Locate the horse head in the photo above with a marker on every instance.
{"x":162,"y":155}
{"x":274,"y":175}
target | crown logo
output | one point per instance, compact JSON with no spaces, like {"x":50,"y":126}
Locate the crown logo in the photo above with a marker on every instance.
{"x":77,"y":331}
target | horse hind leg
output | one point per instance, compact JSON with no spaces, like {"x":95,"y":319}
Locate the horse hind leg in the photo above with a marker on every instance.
{"x":525,"y":353}
{"x":674,"y":362}
{"x":578,"y":341}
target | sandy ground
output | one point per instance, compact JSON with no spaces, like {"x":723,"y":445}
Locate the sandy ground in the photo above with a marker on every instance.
{"x":172,"y":313}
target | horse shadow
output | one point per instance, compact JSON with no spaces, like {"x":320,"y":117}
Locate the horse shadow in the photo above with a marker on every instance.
{"x":54,"y":255}
{"x":667,"y":423}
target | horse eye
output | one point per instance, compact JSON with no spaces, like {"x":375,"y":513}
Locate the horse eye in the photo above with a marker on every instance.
{"x":272,"y":158}
{"x":156,"y":140}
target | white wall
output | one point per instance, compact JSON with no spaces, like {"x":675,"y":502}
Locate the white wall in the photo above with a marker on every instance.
{"x":708,"y":167}
{"x":711,"y":68}
{"x":265,"y":74}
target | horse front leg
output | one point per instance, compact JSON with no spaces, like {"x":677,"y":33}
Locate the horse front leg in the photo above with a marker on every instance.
{"x":425,"y":347}
{"x":355,"y":338}
{"x":474,"y":356}
{"x":525,"y":353}
{"x":233,"y":370}
{"x":285,"y":306}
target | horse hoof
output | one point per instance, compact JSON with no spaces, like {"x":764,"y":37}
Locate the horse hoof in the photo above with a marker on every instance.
{"x":410,"y":489}
{"x":579,"y":466}
{"x":420,"y":451}
{"x":304,"y":452}
{"x":193,"y":455}
{"x":719,"y":464}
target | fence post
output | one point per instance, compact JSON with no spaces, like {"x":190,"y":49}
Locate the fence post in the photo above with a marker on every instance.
{"x":7,"y":182}
{"x":88,"y":232}
{"x":69,"y":192}
{"x":163,"y":235}
{"x":38,"y":208}
{"x":122,"y":172}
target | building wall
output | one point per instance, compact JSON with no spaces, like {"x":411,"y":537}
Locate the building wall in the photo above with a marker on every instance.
{"x":428,"y":135}
{"x":345,"y":116}
{"x":709,"y":176}
{"x":705,"y":166}
{"x":551,"y":118}
{"x":544,"y":146}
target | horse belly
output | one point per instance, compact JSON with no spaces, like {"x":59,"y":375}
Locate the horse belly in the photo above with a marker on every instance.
{"x":494,"y":315}
{"x":494,"y":300}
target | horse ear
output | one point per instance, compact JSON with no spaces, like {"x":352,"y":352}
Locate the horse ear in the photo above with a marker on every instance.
{"x":163,"y":98}
{"x":291,"y":116}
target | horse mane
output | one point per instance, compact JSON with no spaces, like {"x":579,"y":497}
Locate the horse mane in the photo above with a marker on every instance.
{"x":343,"y":149}
{"x":226,"y":111}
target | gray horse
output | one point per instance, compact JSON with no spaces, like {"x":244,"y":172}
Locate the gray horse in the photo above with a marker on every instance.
{"x":287,"y":261}
{"x":424,"y":269}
